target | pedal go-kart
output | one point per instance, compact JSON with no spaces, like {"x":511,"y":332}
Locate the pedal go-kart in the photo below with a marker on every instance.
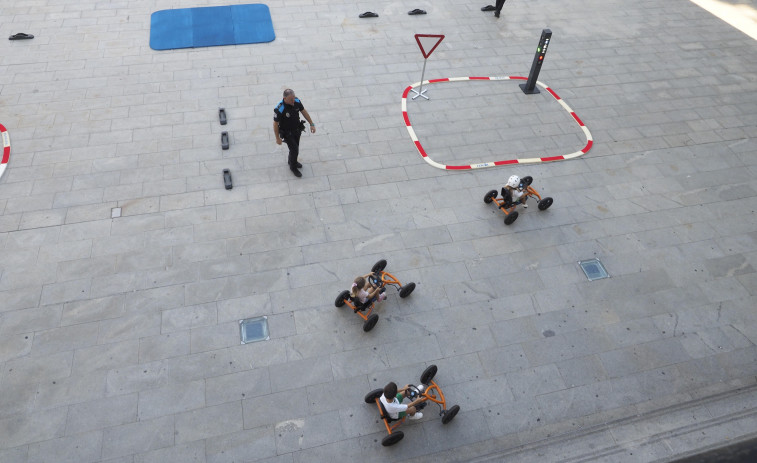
{"x":430,"y":392}
{"x":506,"y":204}
{"x":378,"y":278}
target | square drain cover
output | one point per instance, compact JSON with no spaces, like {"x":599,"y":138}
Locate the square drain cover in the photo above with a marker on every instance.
{"x":593,"y":269}
{"x":254,"y":329}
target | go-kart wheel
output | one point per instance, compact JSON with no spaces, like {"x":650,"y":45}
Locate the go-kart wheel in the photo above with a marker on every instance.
{"x":510,"y":218}
{"x":392,"y":438}
{"x":339,"y":302}
{"x":545,"y":203}
{"x":527,"y":180}
{"x":407,"y":289}
{"x":489,"y":197}
{"x":450,"y":413}
{"x":370,"y":323}
{"x":373,"y":395}
{"x":379,"y":266}
{"x":428,"y":374}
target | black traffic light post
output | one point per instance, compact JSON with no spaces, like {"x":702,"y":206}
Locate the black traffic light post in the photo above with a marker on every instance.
{"x":529,"y":87}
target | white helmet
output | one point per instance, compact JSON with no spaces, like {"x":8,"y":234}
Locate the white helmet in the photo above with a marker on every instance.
{"x":513,"y":181}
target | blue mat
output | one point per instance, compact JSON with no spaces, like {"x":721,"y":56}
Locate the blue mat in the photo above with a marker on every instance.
{"x":210,"y":26}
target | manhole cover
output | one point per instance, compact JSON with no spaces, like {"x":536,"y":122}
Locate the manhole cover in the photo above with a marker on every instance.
{"x":254,"y":329}
{"x":593,"y":269}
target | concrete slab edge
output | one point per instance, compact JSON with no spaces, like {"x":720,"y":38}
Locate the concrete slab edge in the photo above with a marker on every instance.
{"x":654,"y":446}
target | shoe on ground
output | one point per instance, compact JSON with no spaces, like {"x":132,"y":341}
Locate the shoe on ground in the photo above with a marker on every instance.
{"x":296,"y":172}
{"x":369,"y":14}
{"x":489,"y":8}
{"x":417,"y":416}
{"x":21,"y":36}
{"x":496,"y":14}
{"x":416,"y":11}
{"x":299,"y":165}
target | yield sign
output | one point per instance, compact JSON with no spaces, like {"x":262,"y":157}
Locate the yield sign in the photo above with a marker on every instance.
{"x":428,"y":42}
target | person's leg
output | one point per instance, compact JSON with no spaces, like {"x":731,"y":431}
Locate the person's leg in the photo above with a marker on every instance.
{"x":498,"y":7}
{"x":293,"y":143}
{"x":296,"y":162}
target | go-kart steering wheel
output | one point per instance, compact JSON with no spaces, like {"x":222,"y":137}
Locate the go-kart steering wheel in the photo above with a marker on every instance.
{"x":376,"y":280}
{"x":413,"y":391}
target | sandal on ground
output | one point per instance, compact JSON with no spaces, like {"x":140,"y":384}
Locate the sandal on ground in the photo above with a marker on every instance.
{"x":369,"y":14}
{"x":416,"y":11}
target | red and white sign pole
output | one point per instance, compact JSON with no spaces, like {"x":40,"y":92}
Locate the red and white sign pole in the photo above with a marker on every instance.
{"x":426,"y":42}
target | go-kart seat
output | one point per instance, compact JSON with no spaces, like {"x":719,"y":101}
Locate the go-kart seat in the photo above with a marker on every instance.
{"x":507,"y":197}
{"x":359,"y":305}
{"x":384,"y":414}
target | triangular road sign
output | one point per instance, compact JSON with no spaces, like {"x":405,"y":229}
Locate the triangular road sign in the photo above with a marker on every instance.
{"x":428,"y":42}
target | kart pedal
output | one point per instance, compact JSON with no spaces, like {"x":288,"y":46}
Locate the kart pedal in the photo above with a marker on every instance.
{"x":225,"y":140}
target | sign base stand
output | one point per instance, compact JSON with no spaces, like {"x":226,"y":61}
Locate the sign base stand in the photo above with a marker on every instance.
{"x":525,"y":89}
{"x":421,"y":93}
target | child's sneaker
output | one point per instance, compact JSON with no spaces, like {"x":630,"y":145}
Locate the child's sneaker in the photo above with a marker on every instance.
{"x":382,"y":297}
{"x":417,"y":416}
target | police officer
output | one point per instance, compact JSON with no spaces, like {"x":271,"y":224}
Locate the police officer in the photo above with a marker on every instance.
{"x":288,"y":127}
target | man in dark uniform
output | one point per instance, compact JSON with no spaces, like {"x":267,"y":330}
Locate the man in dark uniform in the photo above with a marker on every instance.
{"x":288,"y":127}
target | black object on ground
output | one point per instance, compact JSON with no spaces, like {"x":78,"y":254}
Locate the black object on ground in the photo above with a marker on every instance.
{"x":222,"y":116}
{"x":416,"y":11}
{"x":225,"y":140}
{"x":488,"y":8}
{"x":369,"y":14}
{"x":227,"y":179}
{"x":20,"y":36}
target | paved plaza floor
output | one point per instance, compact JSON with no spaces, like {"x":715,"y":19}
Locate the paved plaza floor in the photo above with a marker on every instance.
{"x":120,"y":338}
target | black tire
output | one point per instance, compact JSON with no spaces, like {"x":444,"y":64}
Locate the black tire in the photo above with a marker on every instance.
{"x":489,"y":197}
{"x":428,"y":374}
{"x":373,"y":395}
{"x":341,"y":298}
{"x":511,"y":217}
{"x":370,"y":323}
{"x":392,"y":438}
{"x":527,"y":180}
{"x":407,"y":289}
{"x":545,"y":203}
{"x":450,"y":413}
{"x":379,"y":266}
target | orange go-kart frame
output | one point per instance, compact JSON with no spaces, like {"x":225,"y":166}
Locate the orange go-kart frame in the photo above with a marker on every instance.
{"x":431,"y":393}
{"x":506,"y":205}
{"x":380,"y":278}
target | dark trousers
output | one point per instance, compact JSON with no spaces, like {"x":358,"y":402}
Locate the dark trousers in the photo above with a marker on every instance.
{"x":292,"y":139}
{"x":499,"y":5}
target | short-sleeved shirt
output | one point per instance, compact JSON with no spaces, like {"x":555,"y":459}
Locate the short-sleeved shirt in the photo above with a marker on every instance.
{"x":517,"y":195}
{"x":362,"y":295}
{"x":288,"y":116}
{"x":393,"y":408}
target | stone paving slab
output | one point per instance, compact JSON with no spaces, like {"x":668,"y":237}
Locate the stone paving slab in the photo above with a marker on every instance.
{"x":120,"y":337}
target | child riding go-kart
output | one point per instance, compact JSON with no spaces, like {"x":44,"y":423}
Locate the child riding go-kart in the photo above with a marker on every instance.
{"x":517,"y":191}
{"x":420,"y":396}
{"x":377,"y":281}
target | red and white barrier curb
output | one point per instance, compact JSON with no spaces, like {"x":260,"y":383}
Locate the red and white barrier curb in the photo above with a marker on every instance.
{"x":6,"y":149}
{"x":425,"y":156}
